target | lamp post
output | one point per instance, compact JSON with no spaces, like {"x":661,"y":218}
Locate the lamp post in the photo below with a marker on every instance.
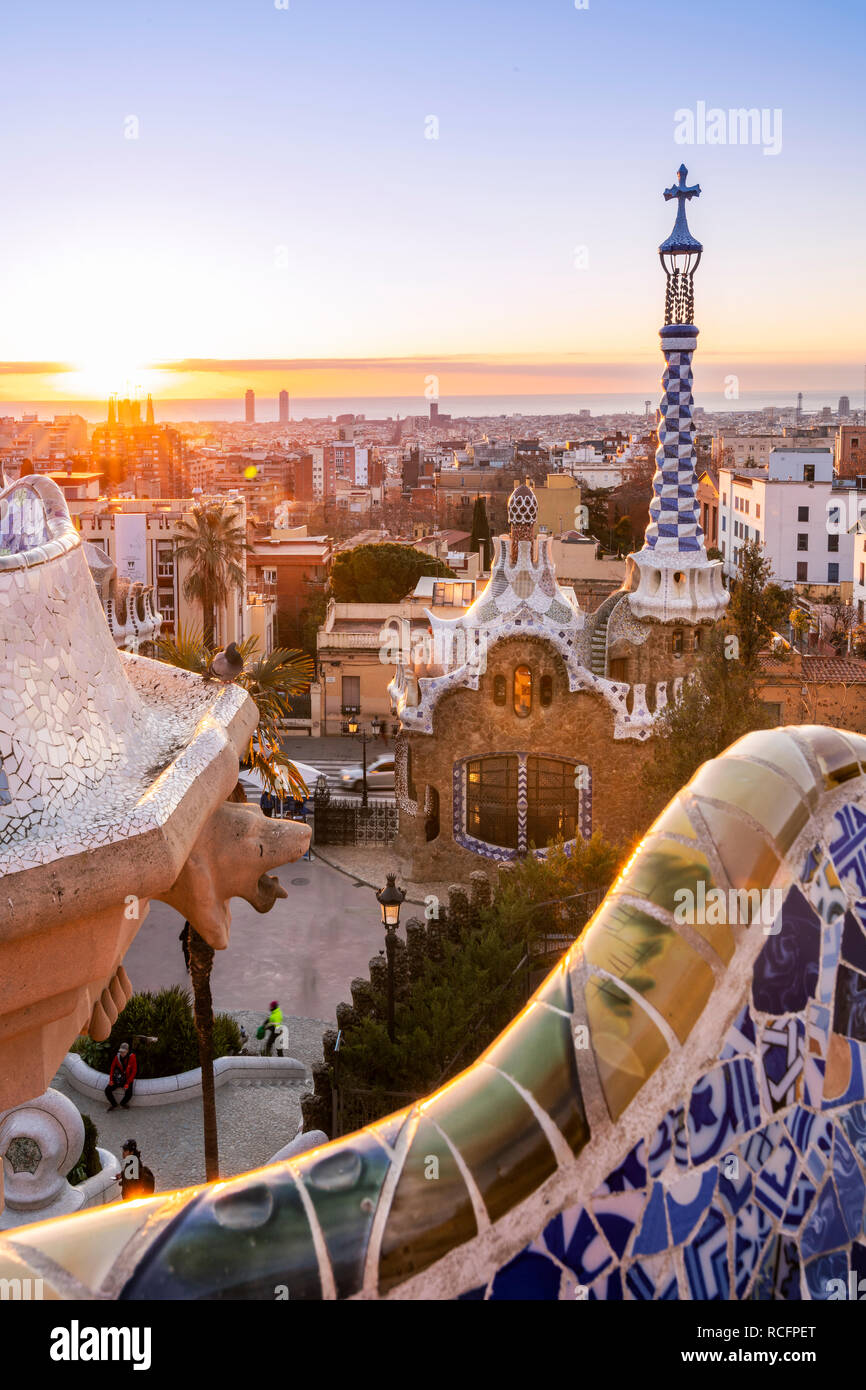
{"x":354,"y":729}
{"x":390,"y":899}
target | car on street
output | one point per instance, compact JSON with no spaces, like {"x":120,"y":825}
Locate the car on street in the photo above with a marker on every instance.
{"x":253,"y":785}
{"x":380,"y":775}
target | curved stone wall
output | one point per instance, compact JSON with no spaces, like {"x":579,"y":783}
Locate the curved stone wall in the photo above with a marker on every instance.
{"x":678,"y":1112}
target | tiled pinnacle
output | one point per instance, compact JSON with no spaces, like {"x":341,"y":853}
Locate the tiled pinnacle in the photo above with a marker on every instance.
{"x":674,"y":523}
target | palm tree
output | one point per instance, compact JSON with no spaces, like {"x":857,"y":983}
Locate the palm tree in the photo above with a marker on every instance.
{"x":213,"y":545}
{"x":271,"y":680}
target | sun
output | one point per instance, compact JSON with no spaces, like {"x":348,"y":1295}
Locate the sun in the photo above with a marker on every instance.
{"x":101,"y":378}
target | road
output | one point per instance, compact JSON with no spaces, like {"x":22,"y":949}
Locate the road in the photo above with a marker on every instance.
{"x":304,"y":952}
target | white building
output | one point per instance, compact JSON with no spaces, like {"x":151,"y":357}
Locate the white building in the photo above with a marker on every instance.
{"x":797,"y":511}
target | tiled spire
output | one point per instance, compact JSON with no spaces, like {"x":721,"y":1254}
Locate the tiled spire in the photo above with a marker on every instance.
{"x":671,"y":577}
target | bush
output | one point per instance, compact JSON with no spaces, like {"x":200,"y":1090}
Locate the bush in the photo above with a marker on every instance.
{"x":168,"y":1017}
{"x":89,"y":1163}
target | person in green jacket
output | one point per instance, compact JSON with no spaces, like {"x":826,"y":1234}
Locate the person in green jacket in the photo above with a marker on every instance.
{"x":272,"y":1023}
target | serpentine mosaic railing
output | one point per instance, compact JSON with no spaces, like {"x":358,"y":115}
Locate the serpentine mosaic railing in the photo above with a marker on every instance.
{"x":677,"y":1113}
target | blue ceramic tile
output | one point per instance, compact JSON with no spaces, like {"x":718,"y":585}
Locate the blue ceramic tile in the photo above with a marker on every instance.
{"x":848,"y":848}
{"x":669,"y":1141}
{"x":849,"y":1185}
{"x":831,"y":946}
{"x":820,"y":1273}
{"x":618,"y":1215}
{"x":853,"y":1122}
{"x":775,"y":1181}
{"x":786,"y":970}
{"x":735,"y":1183}
{"x":854,"y":1089}
{"x":608,"y":1288}
{"x":800,"y":1124}
{"x":854,"y":942}
{"x":782,"y":1061}
{"x":740,"y":1039}
{"x":472,"y":1294}
{"x":801,"y":1200}
{"x":779,"y":1276}
{"x":724,"y":1103}
{"x":849,"y":1007}
{"x":756,"y":1150}
{"x":687,"y":1201}
{"x":706,"y":1259}
{"x":630,"y":1174}
{"x":528,"y":1276}
{"x":653,"y":1234}
{"x":573,"y":1239}
{"x":751,"y":1230}
{"x":825,"y":1229}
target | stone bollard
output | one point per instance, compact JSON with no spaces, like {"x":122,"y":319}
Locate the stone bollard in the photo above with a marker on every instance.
{"x":346,"y":1017}
{"x":435,"y":941}
{"x":362,"y":997}
{"x":479,"y":893}
{"x":416,"y":946}
{"x":329,"y":1042}
{"x":379,"y":981}
{"x":459,"y":912}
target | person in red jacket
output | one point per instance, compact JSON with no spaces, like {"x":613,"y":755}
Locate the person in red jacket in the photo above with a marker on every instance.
{"x":121,"y":1075}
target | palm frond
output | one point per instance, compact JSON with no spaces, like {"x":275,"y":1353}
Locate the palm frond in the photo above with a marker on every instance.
{"x":186,"y":649}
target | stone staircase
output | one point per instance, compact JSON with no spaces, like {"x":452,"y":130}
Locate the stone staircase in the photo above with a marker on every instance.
{"x":598,"y":648}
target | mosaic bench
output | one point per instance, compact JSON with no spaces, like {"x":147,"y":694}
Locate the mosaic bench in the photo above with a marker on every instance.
{"x":678,"y":1113}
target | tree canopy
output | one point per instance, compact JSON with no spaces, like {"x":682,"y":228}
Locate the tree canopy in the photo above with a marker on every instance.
{"x":381,"y":573}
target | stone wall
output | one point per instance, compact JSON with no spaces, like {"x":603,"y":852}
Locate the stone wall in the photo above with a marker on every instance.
{"x":576,"y":725}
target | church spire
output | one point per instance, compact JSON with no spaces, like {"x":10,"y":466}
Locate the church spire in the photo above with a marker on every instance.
{"x":148,"y":419}
{"x":671,"y":578}
{"x":112,"y":410}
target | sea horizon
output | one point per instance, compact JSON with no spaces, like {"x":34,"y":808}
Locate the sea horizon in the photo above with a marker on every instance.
{"x":230,"y":410}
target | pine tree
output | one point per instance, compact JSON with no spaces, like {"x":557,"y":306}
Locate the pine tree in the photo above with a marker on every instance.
{"x":481,"y":532}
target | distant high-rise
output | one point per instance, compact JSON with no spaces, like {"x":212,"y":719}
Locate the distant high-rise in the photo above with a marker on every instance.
{"x":844,"y":406}
{"x":284,"y":407}
{"x":148,"y":419}
{"x":250,"y":407}
{"x":434,"y":412}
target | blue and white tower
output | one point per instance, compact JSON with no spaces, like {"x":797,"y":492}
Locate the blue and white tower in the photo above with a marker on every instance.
{"x":670,"y":578}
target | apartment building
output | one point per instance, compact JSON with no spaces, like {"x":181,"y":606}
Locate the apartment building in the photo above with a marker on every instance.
{"x":796,"y":509}
{"x":139,"y":537}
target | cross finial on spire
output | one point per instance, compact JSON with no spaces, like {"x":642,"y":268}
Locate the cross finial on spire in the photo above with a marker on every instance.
{"x":680,"y":189}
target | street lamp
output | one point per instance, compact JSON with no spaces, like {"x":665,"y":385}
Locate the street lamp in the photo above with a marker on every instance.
{"x":390,"y":899}
{"x":353,"y":726}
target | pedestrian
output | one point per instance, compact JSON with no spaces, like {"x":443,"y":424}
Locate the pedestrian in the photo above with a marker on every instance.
{"x":272,"y":1023}
{"x":184,"y":944}
{"x":121,"y":1076}
{"x":135,"y":1178}
{"x":266,"y":801}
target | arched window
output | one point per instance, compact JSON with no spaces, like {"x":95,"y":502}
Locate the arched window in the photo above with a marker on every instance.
{"x":499,"y":690}
{"x":522,"y":691}
{"x":698,"y":639}
{"x":515,"y":801}
{"x":546,"y":691}
{"x":677,"y":644}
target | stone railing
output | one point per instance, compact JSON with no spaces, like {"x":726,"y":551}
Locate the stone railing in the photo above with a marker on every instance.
{"x":186,"y":1085}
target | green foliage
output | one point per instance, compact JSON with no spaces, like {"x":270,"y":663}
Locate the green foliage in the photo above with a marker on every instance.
{"x":473,"y":982}
{"x":271,"y":680}
{"x":717,"y":706}
{"x":213,"y":546}
{"x":167,"y":1016}
{"x":757,"y":605}
{"x":480,"y":531}
{"x":383,"y":573}
{"x":89,"y":1163}
{"x":460,"y":1003}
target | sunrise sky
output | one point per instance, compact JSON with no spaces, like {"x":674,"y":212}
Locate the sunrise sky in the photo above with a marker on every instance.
{"x":282,"y":219}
